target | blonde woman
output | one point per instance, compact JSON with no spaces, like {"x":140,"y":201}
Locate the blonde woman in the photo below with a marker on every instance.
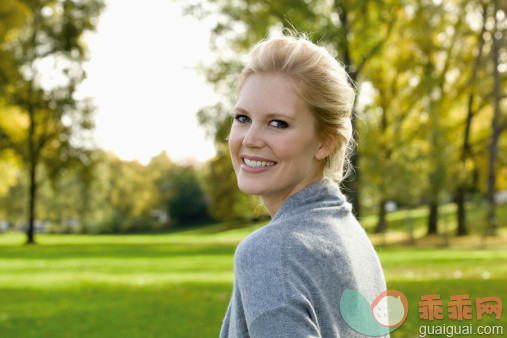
{"x":289,"y":142}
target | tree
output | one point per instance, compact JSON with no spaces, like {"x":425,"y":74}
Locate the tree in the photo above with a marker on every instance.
{"x":162,"y":171}
{"x":497,"y":126}
{"x":13,"y":16}
{"x":131,"y":195}
{"x":472,"y":108}
{"x":51,"y":35}
{"x":390,"y":132}
{"x":436,"y":29}
{"x":187,"y":203}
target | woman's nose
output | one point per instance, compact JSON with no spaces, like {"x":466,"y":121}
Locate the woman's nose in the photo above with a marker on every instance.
{"x":253,"y":137}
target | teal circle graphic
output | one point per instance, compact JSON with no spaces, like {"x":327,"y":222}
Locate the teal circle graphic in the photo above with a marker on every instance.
{"x":356,"y":312}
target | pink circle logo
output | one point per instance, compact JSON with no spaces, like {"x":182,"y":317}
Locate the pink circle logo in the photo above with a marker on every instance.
{"x":390,"y":308}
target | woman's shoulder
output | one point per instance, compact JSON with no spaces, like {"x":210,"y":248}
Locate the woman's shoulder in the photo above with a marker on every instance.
{"x":322,"y":231}
{"x":263,"y":243}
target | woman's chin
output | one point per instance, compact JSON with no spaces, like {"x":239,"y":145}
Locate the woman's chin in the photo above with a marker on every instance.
{"x":250,"y":188}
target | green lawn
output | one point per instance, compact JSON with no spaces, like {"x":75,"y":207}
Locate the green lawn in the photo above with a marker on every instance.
{"x":179,"y":284}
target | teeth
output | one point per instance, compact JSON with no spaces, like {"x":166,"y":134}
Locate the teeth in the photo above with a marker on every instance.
{"x":257,"y":164}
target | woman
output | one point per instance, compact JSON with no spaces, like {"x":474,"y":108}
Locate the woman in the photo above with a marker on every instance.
{"x":288,"y":144}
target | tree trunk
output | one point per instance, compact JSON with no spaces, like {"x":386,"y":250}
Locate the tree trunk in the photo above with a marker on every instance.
{"x":32,"y":174}
{"x":433,"y":219}
{"x":32,"y":151}
{"x":31,"y":207}
{"x":461,"y":190}
{"x":495,"y":133}
{"x":382,"y":223}
{"x":351,"y":186}
{"x":460,"y":203}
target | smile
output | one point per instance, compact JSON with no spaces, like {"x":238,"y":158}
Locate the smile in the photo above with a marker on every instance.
{"x":257,"y":164}
{"x":254,"y":167}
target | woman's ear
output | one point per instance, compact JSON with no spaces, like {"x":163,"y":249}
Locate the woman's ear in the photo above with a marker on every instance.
{"x":327,"y":147}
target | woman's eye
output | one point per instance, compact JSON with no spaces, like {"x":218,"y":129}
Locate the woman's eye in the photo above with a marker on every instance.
{"x":279,"y":124}
{"x":242,"y":118}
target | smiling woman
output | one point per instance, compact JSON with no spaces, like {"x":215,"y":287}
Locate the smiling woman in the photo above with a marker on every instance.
{"x":288,"y":144}
{"x":287,"y":140}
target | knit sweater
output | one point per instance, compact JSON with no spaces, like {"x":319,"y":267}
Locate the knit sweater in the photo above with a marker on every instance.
{"x":289,"y":274}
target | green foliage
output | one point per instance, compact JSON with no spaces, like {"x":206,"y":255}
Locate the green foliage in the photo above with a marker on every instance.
{"x":110,"y":196}
{"x":51,"y":34}
{"x":45,"y":32}
{"x":428,"y":64}
{"x":187,"y":202}
{"x":14,"y":14}
{"x":122,"y":196}
{"x":227,"y":202}
{"x":428,"y":67}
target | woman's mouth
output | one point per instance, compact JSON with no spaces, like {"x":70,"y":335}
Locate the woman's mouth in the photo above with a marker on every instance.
{"x":256,"y":166}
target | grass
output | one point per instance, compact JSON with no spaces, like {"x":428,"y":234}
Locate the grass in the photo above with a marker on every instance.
{"x":179,"y":284}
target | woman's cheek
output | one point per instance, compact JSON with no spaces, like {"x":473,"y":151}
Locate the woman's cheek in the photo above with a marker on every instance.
{"x":296,"y":148}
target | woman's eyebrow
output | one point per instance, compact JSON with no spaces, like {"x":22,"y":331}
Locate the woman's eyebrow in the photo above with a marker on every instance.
{"x":269,"y":115}
{"x":241,"y":110}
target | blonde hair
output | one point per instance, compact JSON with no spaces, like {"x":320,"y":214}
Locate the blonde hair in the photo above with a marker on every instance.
{"x":321,"y":81}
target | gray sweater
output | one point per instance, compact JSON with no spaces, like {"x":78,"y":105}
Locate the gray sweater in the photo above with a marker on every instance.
{"x":290,"y":273}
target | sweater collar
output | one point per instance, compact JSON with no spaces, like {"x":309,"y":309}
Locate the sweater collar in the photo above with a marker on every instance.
{"x":326,"y":189}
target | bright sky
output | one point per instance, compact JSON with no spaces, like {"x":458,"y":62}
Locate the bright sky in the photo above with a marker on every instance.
{"x":141,"y":77}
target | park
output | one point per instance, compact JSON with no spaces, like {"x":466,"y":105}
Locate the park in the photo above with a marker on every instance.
{"x":115,"y":221}
{"x":178,"y":284}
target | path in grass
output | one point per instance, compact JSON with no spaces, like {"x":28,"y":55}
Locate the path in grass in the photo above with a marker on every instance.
{"x":179,"y":285}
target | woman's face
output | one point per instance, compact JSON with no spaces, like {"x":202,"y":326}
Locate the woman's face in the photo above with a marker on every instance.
{"x":274,"y":148}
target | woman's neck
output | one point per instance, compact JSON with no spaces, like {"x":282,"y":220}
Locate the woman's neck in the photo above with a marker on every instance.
{"x":274,"y":202}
